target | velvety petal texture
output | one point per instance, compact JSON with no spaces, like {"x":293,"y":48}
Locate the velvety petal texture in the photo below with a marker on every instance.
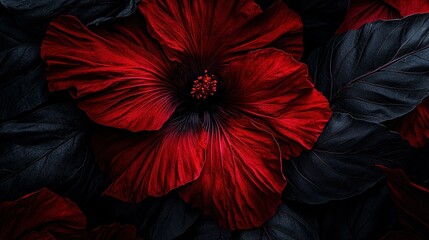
{"x":117,"y":75}
{"x":415,"y":126}
{"x":151,"y":163}
{"x":47,"y":214}
{"x":271,"y":87}
{"x":409,"y":7}
{"x":213,"y":32}
{"x":280,"y":115}
{"x":241,"y":182}
{"x":225,"y":153}
{"x":366,"y":11}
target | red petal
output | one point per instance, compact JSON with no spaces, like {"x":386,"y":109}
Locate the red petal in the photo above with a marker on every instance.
{"x":213,"y":32}
{"x":409,"y":7}
{"x":118,"y":76}
{"x":411,"y":199}
{"x":415,"y":125}
{"x":114,"y":232}
{"x":152,"y":163}
{"x":366,"y":11}
{"x":43,"y":212}
{"x":273,"y":88}
{"x":241,"y":182}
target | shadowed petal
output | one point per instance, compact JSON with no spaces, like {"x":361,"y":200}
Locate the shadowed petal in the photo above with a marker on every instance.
{"x":208,"y":33}
{"x":151,"y":163}
{"x":409,"y":7}
{"x":411,"y":200}
{"x":44,"y":212}
{"x":415,"y":125}
{"x":366,"y":11}
{"x":271,"y":87}
{"x":117,"y":75}
{"x":241,"y":181}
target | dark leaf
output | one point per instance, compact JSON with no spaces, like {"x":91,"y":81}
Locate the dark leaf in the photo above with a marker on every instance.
{"x":418,"y":167}
{"x":378,"y":72}
{"x":22,"y":82}
{"x":206,"y":229}
{"x":341,"y":164}
{"x":158,"y":218}
{"x":35,"y":15}
{"x":367,"y":216}
{"x":48,"y":148}
{"x":174,"y":218}
{"x":321,"y":18}
{"x":288,"y":224}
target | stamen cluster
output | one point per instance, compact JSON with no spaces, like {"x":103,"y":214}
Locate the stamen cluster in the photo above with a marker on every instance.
{"x":204,"y":86}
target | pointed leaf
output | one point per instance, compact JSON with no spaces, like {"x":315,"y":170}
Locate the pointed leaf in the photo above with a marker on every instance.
{"x":378,"y":72}
{"x":341,"y":164}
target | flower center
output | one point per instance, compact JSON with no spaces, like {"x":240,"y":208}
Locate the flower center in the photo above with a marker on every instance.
{"x":204,"y":86}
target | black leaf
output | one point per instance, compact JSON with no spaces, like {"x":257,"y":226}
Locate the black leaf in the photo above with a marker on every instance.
{"x":206,"y":228}
{"x":22,"y":82}
{"x":341,"y":164}
{"x":48,"y":148}
{"x":378,"y":72}
{"x":35,"y":15}
{"x":367,"y":216}
{"x":288,"y":224}
{"x":157,"y":218}
{"x":174,"y":218}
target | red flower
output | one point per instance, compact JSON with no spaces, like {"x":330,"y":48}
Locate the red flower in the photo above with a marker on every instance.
{"x":43,"y":215}
{"x":222,"y":112}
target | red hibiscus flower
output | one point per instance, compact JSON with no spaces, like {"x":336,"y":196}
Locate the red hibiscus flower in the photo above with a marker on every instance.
{"x":43,"y":215}
{"x":210,"y":97}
